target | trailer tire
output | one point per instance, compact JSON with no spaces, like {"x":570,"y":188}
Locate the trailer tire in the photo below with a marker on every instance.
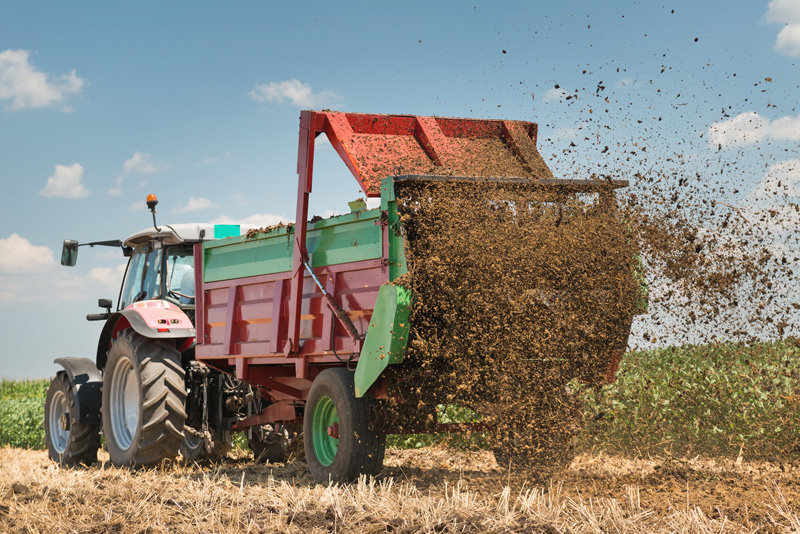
{"x":359,"y":448}
{"x":69,"y":443}
{"x":274,"y":446}
{"x":143,"y":400}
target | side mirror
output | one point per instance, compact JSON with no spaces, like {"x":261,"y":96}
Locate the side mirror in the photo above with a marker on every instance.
{"x":105,"y":303}
{"x":69,"y":253}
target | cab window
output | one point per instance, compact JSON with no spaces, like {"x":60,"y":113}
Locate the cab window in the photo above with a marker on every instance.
{"x":180,"y":274}
{"x":143,"y":279}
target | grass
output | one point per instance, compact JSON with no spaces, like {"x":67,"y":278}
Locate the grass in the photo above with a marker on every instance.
{"x":22,"y":413}
{"x":714,"y":400}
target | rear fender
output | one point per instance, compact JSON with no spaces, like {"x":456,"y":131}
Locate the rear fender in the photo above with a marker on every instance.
{"x":154,"y":319}
{"x":86,"y":380}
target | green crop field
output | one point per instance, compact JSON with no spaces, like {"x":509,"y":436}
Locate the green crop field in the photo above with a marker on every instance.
{"x":22,"y":413}
{"x":711,"y":400}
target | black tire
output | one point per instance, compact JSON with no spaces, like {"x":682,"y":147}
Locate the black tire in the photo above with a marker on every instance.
{"x":269,"y":445}
{"x":143,"y":401}
{"x":360,"y":448}
{"x":69,"y":443}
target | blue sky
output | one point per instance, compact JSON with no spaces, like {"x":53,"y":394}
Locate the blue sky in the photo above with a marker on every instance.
{"x":198,"y":102}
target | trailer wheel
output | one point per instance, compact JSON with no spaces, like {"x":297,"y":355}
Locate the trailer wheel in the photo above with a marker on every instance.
{"x":143,"y":401}
{"x":68,"y":442}
{"x":269,"y":445}
{"x":339,"y":443}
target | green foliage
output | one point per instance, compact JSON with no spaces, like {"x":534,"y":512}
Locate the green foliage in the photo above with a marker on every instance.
{"x":713,"y":400}
{"x":23,"y":389}
{"x":22,"y":413}
{"x":446,"y":413}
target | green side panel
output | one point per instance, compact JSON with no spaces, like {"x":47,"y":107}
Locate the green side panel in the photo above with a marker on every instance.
{"x":387,"y":336}
{"x":397,"y":256}
{"x":222,"y":231}
{"x":342,"y":239}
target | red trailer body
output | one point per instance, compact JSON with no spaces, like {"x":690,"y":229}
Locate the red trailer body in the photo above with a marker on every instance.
{"x":275,"y":330}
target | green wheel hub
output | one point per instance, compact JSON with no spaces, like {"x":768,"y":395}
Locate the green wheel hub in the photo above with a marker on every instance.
{"x":325,"y":426}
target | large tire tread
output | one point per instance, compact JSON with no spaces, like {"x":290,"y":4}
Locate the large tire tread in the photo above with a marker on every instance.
{"x":363,"y":455}
{"x":163,"y":399}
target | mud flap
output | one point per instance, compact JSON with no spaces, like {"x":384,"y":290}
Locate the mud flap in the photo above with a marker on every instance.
{"x":86,"y":382}
{"x":387,"y":336}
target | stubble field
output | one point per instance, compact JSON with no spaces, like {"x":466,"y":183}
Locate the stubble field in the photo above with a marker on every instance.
{"x":434,"y":489}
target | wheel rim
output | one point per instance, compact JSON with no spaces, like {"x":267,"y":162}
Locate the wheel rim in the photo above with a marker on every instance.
{"x":325,"y":415}
{"x":59,"y":407}
{"x":124,"y":396}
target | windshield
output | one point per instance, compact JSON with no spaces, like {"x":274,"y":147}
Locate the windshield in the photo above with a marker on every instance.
{"x":180,"y":274}
{"x":143,"y":278}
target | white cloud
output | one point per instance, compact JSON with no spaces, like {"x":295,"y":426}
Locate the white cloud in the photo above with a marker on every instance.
{"x":20,"y":256}
{"x":139,"y":163}
{"x":259,"y":219}
{"x":61,"y":285}
{"x":107,"y":277}
{"x":750,"y":127}
{"x":195,"y":204}
{"x":297,"y":92}
{"x":554,"y":94}
{"x":565,"y":133}
{"x":780,"y":181}
{"x":27,"y":87}
{"x":240,"y":198}
{"x":65,"y":183}
{"x":787,"y":13}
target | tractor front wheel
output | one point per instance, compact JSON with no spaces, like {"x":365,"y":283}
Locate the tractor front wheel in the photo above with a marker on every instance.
{"x":143,"y":400}
{"x":68,"y":442}
{"x":340,"y":443}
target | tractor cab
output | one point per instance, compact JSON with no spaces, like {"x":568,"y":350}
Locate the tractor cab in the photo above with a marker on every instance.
{"x":161,"y":262}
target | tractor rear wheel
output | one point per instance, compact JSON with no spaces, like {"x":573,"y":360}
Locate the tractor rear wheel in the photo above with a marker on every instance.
{"x":68,"y":442}
{"x":143,"y":400}
{"x":340,"y":443}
